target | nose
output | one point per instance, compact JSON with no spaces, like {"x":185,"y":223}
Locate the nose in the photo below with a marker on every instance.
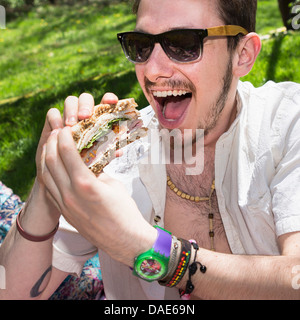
{"x":158,"y":66}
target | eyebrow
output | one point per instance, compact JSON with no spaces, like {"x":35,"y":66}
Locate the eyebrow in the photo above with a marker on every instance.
{"x":170,"y":29}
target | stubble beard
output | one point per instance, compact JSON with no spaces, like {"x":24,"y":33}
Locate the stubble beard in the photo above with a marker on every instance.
{"x":217,"y":107}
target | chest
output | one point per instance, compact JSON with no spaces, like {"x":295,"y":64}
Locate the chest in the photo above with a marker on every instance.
{"x":195,"y":220}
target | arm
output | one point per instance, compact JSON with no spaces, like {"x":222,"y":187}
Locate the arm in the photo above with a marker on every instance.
{"x":100,"y":208}
{"x":248,"y":277}
{"x":28,"y":265}
{"x":39,"y":217}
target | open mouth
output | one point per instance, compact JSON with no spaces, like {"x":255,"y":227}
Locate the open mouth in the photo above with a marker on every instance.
{"x":172,"y":106}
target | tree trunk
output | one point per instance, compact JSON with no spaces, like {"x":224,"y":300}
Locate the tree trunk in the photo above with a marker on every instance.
{"x":285,"y":11}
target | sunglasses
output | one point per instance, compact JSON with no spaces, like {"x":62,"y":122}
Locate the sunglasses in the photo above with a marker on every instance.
{"x":182,"y":45}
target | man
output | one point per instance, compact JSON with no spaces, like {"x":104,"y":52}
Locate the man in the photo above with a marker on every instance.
{"x":247,"y":231}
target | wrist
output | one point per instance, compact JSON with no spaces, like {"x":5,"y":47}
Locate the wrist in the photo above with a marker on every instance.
{"x":147,"y":239}
{"x":187,"y":285}
{"x":39,"y":197}
{"x":39,"y":216}
{"x":152,"y":264}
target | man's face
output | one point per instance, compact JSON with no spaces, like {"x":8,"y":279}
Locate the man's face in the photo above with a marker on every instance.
{"x":197,"y":88}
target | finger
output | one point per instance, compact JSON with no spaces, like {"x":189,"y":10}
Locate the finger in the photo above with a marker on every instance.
{"x":109,"y":98}
{"x":53,"y":121}
{"x":70,"y":156}
{"x":86,"y":105}
{"x":71,"y":111}
{"x":119,"y":153}
{"x":52,"y":191}
{"x":56,"y":168}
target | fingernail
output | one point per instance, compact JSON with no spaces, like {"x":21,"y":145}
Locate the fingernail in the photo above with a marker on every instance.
{"x":71,"y":120}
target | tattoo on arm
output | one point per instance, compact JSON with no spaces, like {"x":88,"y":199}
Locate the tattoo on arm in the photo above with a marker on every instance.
{"x":34,"y":292}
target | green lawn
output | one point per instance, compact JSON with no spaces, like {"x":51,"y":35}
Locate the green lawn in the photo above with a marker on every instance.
{"x":52,"y":52}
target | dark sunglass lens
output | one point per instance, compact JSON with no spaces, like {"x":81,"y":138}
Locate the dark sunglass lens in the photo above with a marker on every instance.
{"x":182,"y":45}
{"x":137,"y":47}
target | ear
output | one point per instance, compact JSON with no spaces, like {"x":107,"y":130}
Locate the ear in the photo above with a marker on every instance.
{"x":246,"y":54}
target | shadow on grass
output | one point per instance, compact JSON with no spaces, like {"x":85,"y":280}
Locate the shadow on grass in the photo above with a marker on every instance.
{"x":21,"y":172}
{"x":274,"y":58}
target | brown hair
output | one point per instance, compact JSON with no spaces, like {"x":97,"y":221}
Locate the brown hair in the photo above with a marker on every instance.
{"x":237,"y":12}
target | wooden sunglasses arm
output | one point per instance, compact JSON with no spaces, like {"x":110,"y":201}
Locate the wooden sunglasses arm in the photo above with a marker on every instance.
{"x":229,"y":30}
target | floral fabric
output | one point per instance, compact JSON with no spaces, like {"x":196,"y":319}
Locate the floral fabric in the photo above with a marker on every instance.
{"x":88,"y":286}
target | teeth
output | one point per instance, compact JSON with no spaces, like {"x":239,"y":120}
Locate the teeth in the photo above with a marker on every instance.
{"x":164,"y":94}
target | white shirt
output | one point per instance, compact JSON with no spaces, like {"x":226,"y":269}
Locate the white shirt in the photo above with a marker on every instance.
{"x":257,"y":177}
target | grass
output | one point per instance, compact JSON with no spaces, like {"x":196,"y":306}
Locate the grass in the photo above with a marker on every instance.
{"x":278,"y":60}
{"x":279,"y":57}
{"x":48,"y":54}
{"x":52,"y":52}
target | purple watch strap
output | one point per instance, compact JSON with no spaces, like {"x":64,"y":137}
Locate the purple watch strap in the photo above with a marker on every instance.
{"x":163,"y":243}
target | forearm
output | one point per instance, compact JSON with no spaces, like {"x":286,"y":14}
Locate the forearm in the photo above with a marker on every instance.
{"x":244,"y":277}
{"x":28,"y":264}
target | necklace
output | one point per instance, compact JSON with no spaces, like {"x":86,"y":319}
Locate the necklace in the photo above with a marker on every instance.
{"x":197,"y":199}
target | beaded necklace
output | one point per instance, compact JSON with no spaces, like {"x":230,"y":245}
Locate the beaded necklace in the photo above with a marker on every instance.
{"x":197,"y":199}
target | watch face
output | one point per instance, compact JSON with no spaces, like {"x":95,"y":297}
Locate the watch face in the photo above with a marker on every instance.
{"x":150,"y":267}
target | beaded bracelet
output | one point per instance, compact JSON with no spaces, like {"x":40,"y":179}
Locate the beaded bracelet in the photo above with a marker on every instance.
{"x":182,"y":265}
{"x":30,"y":237}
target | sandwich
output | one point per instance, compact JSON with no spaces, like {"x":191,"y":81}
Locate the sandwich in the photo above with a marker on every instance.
{"x":111,"y":127}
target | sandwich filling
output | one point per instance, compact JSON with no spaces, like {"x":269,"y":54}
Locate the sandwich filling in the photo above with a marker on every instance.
{"x":110,"y":128}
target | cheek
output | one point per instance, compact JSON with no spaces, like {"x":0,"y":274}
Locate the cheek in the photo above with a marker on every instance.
{"x":139,"y":71}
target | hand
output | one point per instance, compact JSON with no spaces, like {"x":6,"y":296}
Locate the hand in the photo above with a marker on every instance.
{"x":99,"y":208}
{"x":53,"y":122}
{"x":81,"y":108}
{"x":77,"y":109}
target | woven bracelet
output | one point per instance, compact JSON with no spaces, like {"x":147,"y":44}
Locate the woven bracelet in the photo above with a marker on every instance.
{"x":182,"y":265}
{"x":30,"y":237}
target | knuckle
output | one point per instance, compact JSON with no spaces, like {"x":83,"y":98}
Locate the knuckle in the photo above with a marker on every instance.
{"x":50,"y":159}
{"x":83,"y":185}
{"x":64,"y":147}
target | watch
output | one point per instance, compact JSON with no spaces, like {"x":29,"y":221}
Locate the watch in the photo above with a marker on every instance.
{"x":152,"y":265}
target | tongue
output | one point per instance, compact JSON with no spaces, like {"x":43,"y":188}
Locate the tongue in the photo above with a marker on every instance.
{"x":174,"y":107}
